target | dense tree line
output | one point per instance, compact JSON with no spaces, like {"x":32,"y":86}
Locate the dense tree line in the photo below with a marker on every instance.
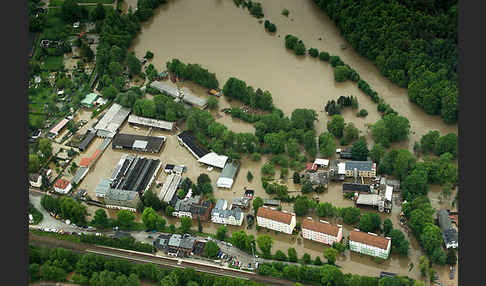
{"x":91,"y":269}
{"x":237,"y":89}
{"x":329,"y":275}
{"x":420,"y":216}
{"x":161,"y":107}
{"x":432,"y":142}
{"x":270,"y":27}
{"x":193,"y":72}
{"x":418,"y":50}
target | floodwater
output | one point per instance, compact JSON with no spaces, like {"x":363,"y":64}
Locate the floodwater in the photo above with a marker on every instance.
{"x":229,"y":42}
{"x":233,"y":43}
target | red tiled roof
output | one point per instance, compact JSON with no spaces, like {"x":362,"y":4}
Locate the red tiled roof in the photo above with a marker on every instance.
{"x":274,"y":215}
{"x":61,"y":184}
{"x":311,"y":166}
{"x":322,"y":227}
{"x":369,"y":239}
{"x":87,"y":160}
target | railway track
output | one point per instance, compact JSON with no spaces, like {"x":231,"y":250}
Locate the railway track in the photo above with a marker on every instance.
{"x":139,"y":257}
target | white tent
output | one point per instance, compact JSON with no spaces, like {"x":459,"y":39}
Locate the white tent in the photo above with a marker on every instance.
{"x":321,"y":162}
{"x":213,"y":159}
{"x":388,"y":193}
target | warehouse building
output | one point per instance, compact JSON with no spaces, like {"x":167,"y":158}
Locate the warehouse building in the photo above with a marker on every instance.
{"x":121,"y":199}
{"x":89,"y":99}
{"x":88,"y":138}
{"x":138,"y":142}
{"x":227,"y":177}
{"x":112,"y":120}
{"x":150,"y":122}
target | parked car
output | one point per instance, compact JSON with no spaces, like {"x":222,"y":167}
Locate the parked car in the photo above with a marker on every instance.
{"x":451,"y":273}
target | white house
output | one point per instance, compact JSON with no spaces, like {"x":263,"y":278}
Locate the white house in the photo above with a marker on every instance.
{"x":369,"y":244}
{"x":281,"y":221}
{"x":321,"y":231}
{"x":62,"y":186}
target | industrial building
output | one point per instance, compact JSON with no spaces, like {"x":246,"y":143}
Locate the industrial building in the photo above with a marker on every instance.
{"x":88,"y":138}
{"x":227,"y":177}
{"x":366,"y":169}
{"x":189,"y":141}
{"x":111,"y":121}
{"x":140,"y":143}
{"x":169,"y":189}
{"x":449,"y":234}
{"x":121,"y":199}
{"x":184,"y":94}
{"x":58,"y":128}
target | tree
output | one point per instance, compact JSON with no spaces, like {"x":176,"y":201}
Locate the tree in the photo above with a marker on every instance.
{"x":307,"y":187}
{"x":134,"y":65}
{"x":301,"y":206}
{"x":212,"y":102}
{"x":115,"y":68}
{"x":125,"y":218}
{"x":327,"y":146}
{"x":265,"y":243}
{"x":404,"y":163}
{"x":100,"y":219}
{"x":296,"y":178}
{"x":221,"y":232}
{"x":341,"y":73}
{"x":324,"y":56}
{"x":326,"y":210}
{"x":45,"y":147}
{"x":330,"y":254}
{"x":306,"y":258}
{"x":359,"y":150}
{"x":149,"y":55}
{"x":186,"y":224}
{"x":249,"y":176}
{"x":415,"y":184}
{"x":317,"y":261}
{"x":211,"y":249}
{"x":387,"y":226}
{"x":451,"y":257}
{"x":391,"y":128}
{"x":98,"y":13}
{"x":446,"y":143}
{"x":280,"y":256}
{"x":370,"y":222}
{"x":150,"y":218}
{"x":350,"y":133}
{"x":431,"y":238}
{"x":336,"y":125}
{"x":424,"y":265}
{"x":339,"y":247}
{"x":268,"y":169}
{"x":257,"y":202}
{"x":399,"y":244}
{"x":34,"y":272}
{"x":109,"y":92}
{"x":34,"y":163}
{"x":350,"y":215}
{"x":70,"y":11}
{"x":429,"y":140}
{"x":292,"y":254}
{"x":377,"y":152}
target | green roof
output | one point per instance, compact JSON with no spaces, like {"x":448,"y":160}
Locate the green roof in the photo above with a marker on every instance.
{"x":89,"y":98}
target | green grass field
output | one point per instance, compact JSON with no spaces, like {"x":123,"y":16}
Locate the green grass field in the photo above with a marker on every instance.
{"x":54,"y":63}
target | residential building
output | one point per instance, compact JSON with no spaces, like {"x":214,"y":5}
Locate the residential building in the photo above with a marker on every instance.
{"x":311,"y":167}
{"x":162,"y":241}
{"x":241,"y":202}
{"x":369,"y":244}
{"x":321,"y":163}
{"x":203,"y":211}
{"x":221,"y":214}
{"x":62,"y":186}
{"x":138,"y":142}
{"x":181,"y":244}
{"x":150,"y":122}
{"x":121,"y":199}
{"x":227,"y":177}
{"x":35,"y":180}
{"x":449,"y":234}
{"x":182,"y":208}
{"x":321,"y":231}
{"x":89,"y":99}
{"x":337,"y":170}
{"x":281,"y":221}
{"x":366,"y":169}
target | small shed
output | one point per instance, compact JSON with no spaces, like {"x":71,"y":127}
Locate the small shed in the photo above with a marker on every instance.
{"x":89,"y":99}
{"x":321,"y":162}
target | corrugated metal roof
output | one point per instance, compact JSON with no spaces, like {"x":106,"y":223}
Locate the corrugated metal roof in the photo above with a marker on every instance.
{"x":360,"y":165}
{"x":59,"y":126}
{"x":89,"y":98}
{"x":213,"y":159}
{"x":113,"y":118}
{"x":133,"y":119}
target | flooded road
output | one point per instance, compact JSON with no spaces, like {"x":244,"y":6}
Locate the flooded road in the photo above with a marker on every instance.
{"x":233,"y":43}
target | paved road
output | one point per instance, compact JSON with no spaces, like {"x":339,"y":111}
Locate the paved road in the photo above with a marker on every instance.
{"x":139,"y":257}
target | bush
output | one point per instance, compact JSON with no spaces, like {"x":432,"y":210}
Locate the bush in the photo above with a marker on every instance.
{"x":313,"y":52}
{"x":341,"y":73}
{"x":324,"y":56}
{"x":362,"y":113}
{"x":285,"y":12}
{"x":149,"y":55}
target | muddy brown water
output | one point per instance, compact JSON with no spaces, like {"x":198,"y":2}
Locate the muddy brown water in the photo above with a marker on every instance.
{"x":233,"y":43}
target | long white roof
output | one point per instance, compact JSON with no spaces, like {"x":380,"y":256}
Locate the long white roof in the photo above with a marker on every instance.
{"x":322,"y":162}
{"x":388,"y":193}
{"x":113,"y":118}
{"x":213,"y":159}
{"x":150,"y":122}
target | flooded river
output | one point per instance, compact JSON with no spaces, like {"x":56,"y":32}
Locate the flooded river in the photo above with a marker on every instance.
{"x":231,"y":43}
